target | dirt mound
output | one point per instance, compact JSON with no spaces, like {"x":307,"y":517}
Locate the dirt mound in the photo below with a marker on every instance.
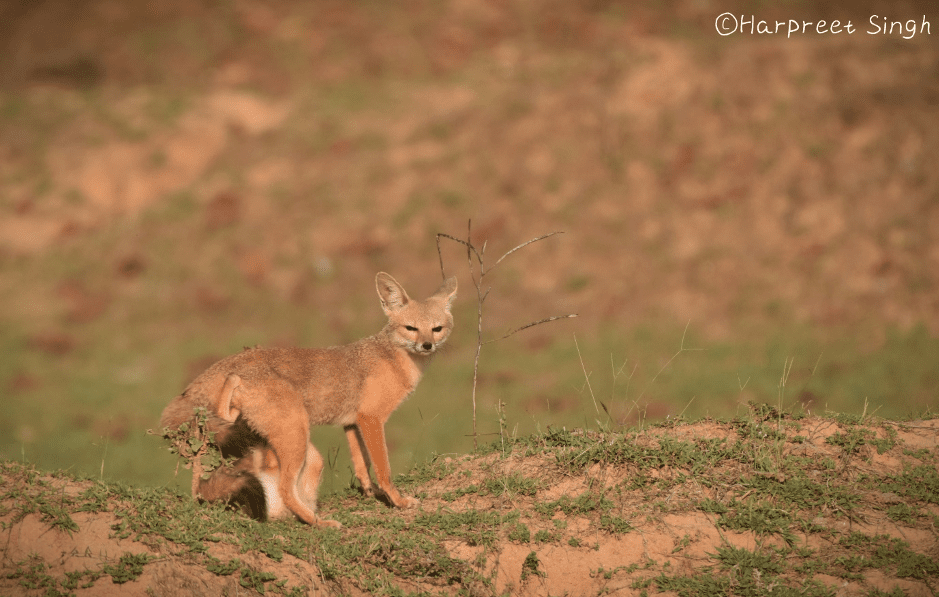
{"x":760,"y":505}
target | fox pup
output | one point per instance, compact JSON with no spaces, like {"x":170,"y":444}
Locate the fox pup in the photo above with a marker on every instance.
{"x":280,"y":392}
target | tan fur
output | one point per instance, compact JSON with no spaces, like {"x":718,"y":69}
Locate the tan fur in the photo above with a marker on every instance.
{"x":281,"y":392}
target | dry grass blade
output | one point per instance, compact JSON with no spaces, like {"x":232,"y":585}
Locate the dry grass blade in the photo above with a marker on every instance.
{"x":587,"y":377}
{"x":681,"y":349}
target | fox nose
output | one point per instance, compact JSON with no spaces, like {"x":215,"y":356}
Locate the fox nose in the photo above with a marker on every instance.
{"x":427,"y":345}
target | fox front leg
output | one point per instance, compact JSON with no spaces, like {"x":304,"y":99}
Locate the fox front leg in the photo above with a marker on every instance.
{"x":372,"y":431}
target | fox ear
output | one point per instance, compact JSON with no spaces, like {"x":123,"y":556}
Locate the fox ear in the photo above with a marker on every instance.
{"x":391,"y":294}
{"x":447,"y":291}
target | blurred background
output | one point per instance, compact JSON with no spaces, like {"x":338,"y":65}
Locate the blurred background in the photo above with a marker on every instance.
{"x":746,"y":218}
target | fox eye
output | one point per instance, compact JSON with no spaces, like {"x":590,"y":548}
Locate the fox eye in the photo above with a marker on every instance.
{"x":410,"y":328}
{"x":437,"y":329}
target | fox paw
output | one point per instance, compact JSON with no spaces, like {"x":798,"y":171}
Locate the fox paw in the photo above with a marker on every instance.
{"x":407,"y":502}
{"x":328,"y":524}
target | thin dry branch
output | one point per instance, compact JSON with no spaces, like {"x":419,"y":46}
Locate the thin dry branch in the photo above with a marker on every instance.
{"x":480,"y":253}
{"x":532,"y":324}
{"x":469,"y":247}
{"x":469,"y":260}
{"x":524,"y":244}
{"x":481,"y":296}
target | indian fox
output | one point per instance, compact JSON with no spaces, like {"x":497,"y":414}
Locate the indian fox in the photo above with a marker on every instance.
{"x":278,"y":393}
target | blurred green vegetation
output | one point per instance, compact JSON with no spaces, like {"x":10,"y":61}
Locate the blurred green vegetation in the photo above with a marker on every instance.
{"x":87,"y":409}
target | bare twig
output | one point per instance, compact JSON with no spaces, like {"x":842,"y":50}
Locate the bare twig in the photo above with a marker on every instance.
{"x":524,"y":244}
{"x":469,"y":245}
{"x":532,"y":324}
{"x":440,"y":255}
{"x":469,"y":248}
{"x":480,"y":253}
{"x":481,"y":296}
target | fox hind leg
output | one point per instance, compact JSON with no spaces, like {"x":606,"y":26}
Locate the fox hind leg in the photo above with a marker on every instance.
{"x":300,"y":467}
{"x":267,"y":470}
{"x":309,"y":482}
{"x":264,"y":465}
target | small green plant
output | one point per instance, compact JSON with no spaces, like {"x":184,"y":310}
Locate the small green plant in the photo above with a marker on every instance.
{"x":530,"y":566}
{"x":513,"y":484}
{"x":32,"y":575}
{"x":887,"y":443}
{"x":614,"y":524}
{"x":761,"y":518}
{"x":709,"y":505}
{"x":904,"y":513}
{"x":734,"y":557}
{"x":222,"y":568}
{"x":128,"y":567}
{"x":452,"y":496}
{"x":520,"y":533}
{"x":918,"y":482}
{"x":682,"y":543}
{"x":545,"y":536}
{"x":253,"y":579}
{"x":850,"y":441}
{"x":586,"y":502}
{"x":195,"y":444}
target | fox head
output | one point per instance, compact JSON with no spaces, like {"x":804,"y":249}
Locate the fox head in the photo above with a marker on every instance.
{"x":419,"y":327}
